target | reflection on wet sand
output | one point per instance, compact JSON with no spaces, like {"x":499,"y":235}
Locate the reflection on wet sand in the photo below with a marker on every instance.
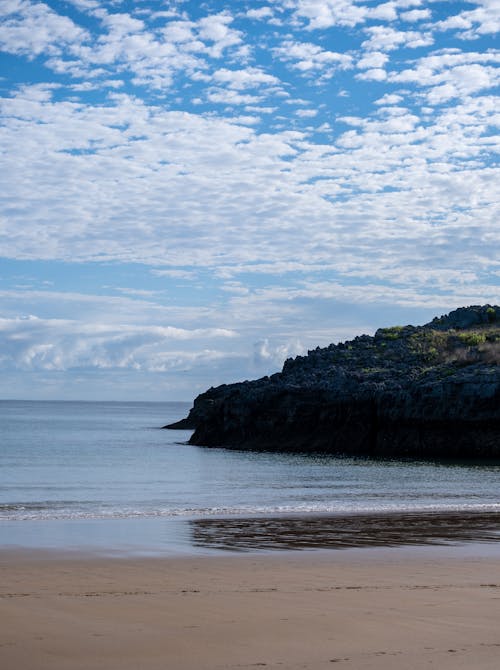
{"x":346,"y":531}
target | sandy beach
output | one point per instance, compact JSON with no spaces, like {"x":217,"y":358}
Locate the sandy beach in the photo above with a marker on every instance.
{"x":365,"y":609}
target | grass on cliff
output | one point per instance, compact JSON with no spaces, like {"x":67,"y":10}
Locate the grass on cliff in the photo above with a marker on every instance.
{"x":481,"y":345}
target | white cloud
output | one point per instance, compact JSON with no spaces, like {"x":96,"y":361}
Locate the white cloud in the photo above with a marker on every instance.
{"x":87,"y":6}
{"x":373,"y":293}
{"x":372,"y":59}
{"x":452,"y":75}
{"x":250,"y":77}
{"x":122,"y":24}
{"x":178,"y":274}
{"x":33,"y":28}
{"x":56,"y":344}
{"x":135,"y":292}
{"x":405,"y":4}
{"x":305,"y":56}
{"x":265,"y":353}
{"x":385,"y":38}
{"x":260,"y":13}
{"x":375,"y":74}
{"x":471,"y":23}
{"x":182,"y":32}
{"x":215,"y":28}
{"x":246,"y":120}
{"x":125,"y":43}
{"x":229,"y":97}
{"x":307,"y":113}
{"x":321,"y":14}
{"x":259,"y":109}
{"x":385,"y":11}
{"x":415,"y":15}
{"x":389,"y":99}
{"x":235,"y":288}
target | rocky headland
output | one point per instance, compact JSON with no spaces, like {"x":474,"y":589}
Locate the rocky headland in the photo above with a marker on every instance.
{"x":429,"y":391}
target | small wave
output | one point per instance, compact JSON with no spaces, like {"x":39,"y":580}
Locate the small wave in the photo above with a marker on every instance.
{"x":71,"y":510}
{"x":38,"y":506}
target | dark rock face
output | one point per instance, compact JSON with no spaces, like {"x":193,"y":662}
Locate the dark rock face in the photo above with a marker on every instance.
{"x":429,"y":391}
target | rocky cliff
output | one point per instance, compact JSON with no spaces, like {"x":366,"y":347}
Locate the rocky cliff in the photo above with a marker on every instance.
{"x":429,"y":391}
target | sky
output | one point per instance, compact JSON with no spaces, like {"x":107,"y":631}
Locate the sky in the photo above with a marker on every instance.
{"x":193,"y":192}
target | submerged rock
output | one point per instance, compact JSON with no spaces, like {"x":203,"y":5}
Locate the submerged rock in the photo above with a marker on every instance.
{"x":428,"y":391}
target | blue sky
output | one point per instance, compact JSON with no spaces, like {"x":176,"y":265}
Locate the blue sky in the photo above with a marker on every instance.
{"x":192,"y":192}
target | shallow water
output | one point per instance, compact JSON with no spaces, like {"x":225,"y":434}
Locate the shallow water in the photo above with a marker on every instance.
{"x":68,"y":467}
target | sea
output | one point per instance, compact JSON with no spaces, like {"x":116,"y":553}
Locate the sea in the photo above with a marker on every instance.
{"x":105,"y":477}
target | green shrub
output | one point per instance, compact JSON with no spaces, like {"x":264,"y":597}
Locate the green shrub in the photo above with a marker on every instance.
{"x":391,"y":333}
{"x":472,"y":339}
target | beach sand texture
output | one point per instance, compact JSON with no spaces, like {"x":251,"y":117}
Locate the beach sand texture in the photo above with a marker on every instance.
{"x":289,"y":611}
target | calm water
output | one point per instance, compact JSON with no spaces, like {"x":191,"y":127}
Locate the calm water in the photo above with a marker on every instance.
{"x":78,"y":474}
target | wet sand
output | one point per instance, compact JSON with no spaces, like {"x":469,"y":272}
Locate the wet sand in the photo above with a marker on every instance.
{"x":358,"y":609}
{"x":346,"y":531}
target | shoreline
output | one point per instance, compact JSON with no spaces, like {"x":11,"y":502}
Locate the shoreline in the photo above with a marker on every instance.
{"x":362,"y":609}
{"x":226,"y":535}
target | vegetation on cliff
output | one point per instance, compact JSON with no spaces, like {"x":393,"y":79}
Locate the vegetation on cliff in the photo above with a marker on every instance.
{"x":420,"y":391}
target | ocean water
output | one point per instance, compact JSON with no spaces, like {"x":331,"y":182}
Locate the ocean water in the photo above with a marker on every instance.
{"x":103,"y":474}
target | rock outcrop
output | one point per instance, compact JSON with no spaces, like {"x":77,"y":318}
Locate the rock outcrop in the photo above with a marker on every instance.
{"x":428,"y":391}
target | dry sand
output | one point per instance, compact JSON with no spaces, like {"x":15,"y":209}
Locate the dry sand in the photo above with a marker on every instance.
{"x":340,"y":609}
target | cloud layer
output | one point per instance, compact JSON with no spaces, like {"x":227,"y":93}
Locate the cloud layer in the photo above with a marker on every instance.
{"x":236,"y":179}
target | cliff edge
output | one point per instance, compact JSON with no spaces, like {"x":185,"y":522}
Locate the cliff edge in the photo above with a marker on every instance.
{"x":429,"y":391}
